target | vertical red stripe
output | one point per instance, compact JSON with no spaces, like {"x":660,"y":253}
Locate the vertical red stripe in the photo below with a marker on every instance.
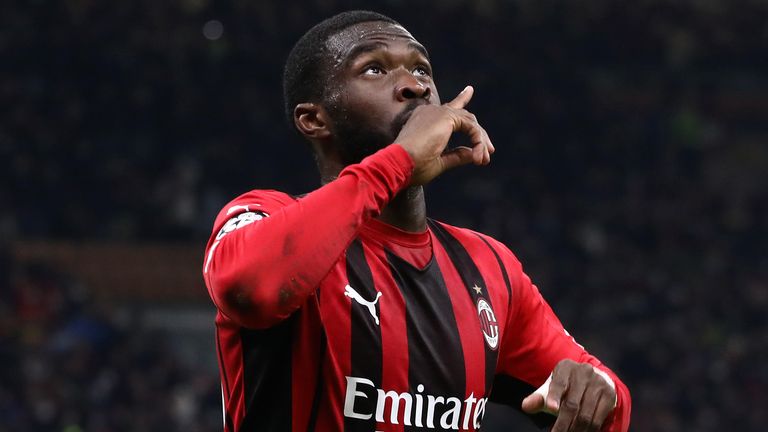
{"x":394,"y":346}
{"x":335,"y":314}
{"x":468,"y":323}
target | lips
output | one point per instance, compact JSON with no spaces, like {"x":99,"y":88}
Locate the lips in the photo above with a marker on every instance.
{"x":402,"y":118}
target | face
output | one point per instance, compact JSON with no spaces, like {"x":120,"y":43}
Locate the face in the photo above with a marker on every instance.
{"x":379,"y":75}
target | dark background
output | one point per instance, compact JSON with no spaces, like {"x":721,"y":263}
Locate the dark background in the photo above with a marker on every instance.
{"x":630,"y":178}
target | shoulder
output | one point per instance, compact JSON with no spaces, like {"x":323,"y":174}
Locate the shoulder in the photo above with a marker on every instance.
{"x":471,"y":237}
{"x":454,"y":231}
{"x":478,"y":244}
{"x":258,"y":199}
{"x":257,"y":203}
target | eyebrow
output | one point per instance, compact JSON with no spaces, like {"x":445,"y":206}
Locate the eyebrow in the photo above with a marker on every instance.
{"x":366,"y":47}
{"x":420,"y":48}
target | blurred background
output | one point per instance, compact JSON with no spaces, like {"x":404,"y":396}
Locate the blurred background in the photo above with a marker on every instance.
{"x":631,"y":179}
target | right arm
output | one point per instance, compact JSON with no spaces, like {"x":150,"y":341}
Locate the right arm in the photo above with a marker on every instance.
{"x":259,"y":274}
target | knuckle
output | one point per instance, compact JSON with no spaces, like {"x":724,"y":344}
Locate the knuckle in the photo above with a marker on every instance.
{"x":569,"y":406}
{"x":600,"y":385}
{"x":558,"y":383}
{"x":582,"y":370}
{"x":595,"y":393}
{"x":588,"y":370}
{"x":583,"y":421}
{"x":556,"y":387}
{"x":563,"y":367}
{"x":555,"y":390}
{"x":449,"y":111}
{"x":437,"y":109}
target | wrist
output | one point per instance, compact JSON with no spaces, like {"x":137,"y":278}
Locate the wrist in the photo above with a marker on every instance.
{"x":402,"y":156}
{"x":391,"y":167}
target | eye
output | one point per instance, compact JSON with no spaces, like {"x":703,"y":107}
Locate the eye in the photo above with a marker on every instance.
{"x":421,"y":71}
{"x":373,"y":70}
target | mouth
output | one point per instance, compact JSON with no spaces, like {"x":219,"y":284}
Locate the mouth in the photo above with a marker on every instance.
{"x":401,"y":119}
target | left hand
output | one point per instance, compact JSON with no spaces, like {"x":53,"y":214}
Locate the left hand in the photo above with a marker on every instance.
{"x":580,"y":395}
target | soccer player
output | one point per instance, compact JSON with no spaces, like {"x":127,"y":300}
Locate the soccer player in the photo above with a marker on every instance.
{"x":349,"y":309}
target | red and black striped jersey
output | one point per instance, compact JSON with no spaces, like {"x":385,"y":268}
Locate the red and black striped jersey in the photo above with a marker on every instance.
{"x":331,"y":320}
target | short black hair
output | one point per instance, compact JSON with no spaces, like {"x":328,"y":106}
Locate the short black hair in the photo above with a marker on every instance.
{"x":306,"y":70}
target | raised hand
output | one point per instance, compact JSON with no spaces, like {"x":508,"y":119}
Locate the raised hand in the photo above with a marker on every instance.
{"x":426,"y":133}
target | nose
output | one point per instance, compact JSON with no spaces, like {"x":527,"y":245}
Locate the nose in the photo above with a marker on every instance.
{"x":409,"y":88}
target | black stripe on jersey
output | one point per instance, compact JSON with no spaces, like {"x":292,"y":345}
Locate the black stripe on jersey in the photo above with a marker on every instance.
{"x":365,"y":343}
{"x":471,"y":276}
{"x":267,"y":377}
{"x":511,"y":391}
{"x":503,"y":271}
{"x":319,"y":386}
{"x":435,"y":354}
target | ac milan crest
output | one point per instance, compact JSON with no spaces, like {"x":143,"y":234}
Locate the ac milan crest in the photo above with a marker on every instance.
{"x":488,"y":323}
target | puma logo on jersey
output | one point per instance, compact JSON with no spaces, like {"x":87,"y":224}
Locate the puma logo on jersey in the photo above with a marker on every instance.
{"x":371,"y":305}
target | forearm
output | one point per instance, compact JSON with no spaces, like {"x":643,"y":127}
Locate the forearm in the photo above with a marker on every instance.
{"x":260,"y":275}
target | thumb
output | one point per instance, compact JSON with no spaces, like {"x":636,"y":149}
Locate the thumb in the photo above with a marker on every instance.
{"x":535,"y":402}
{"x":462,"y":99}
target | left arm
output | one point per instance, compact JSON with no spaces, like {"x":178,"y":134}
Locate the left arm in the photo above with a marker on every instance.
{"x":584,"y":394}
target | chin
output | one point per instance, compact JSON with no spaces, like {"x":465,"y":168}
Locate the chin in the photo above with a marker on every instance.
{"x":357,"y":137}
{"x":355,"y":144}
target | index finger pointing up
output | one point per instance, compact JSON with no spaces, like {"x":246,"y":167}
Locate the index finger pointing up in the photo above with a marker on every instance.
{"x":462,"y":99}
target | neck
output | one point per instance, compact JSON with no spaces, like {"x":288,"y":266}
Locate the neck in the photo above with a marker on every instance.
{"x":407,"y":210}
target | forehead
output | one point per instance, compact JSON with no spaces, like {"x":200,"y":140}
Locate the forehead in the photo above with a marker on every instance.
{"x":341,"y":44}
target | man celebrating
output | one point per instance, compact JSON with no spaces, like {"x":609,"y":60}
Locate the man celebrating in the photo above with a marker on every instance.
{"x":347,"y":308}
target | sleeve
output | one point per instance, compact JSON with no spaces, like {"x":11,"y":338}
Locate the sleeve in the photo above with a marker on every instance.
{"x":268,"y":252}
{"x":535,"y":341}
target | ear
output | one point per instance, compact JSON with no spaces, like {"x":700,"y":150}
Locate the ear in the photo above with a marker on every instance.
{"x":312,"y":121}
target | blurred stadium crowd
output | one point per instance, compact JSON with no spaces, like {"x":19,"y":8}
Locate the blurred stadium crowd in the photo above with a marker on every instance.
{"x":73,"y":364}
{"x":630,"y":178}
